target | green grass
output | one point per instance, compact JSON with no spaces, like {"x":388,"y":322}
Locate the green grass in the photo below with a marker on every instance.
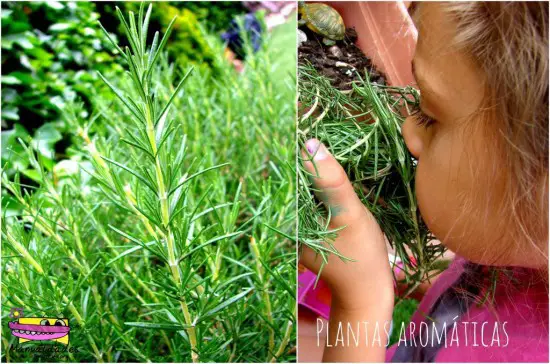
{"x":402,"y":314}
{"x":173,"y":240}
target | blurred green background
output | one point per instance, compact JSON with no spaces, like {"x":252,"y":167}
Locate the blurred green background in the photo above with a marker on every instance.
{"x":51,"y":51}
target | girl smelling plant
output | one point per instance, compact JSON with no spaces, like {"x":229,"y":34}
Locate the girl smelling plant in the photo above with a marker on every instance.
{"x":481,"y":139}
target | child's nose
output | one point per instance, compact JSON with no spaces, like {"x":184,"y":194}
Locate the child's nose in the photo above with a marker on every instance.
{"x":413,"y":139}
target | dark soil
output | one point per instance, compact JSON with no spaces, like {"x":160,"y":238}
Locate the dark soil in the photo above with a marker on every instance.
{"x":340,"y":62}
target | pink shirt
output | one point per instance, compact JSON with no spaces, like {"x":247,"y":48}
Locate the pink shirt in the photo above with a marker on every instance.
{"x":514,"y":329}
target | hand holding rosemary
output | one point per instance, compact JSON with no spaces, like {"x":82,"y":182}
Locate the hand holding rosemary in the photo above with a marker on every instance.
{"x":362,"y":291}
{"x":361,"y":129}
{"x":359,"y":237}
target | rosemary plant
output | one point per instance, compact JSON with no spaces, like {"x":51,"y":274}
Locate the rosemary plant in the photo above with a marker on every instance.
{"x":173,"y":239}
{"x":362,"y":129}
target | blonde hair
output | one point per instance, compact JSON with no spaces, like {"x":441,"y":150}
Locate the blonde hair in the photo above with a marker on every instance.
{"x":509,"y":42}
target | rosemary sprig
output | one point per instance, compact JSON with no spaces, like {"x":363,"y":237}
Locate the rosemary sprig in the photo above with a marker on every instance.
{"x":362,"y":129}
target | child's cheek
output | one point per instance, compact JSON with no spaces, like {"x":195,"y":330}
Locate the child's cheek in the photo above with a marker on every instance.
{"x":460,"y":190}
{"x":444,"y":189}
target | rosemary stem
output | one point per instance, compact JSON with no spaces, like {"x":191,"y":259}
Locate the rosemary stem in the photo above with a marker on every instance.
{"x":188,"y":321}
{"x":81,"y":322}
{"x":284,"y":342}
{"x":25,"y":253}
{"x":168,"y":235}
{"x":265,"y":295}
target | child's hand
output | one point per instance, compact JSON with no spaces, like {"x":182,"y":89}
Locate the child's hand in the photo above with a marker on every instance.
{"x":367,"y":281}
{"x":362,"y":290}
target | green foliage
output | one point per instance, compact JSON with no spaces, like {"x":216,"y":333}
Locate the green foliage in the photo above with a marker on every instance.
{"x":188,"y":44}
{"x":167,"y":236}
{"x":216,"y":15}
{"x":48,"y":50}
{"x":362,"y":129}
{"x":402,"y":314}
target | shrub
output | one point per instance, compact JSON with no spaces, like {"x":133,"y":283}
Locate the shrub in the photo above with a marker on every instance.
{"x":188,"y":44}
{"x":48,"y":52}
{"x":168,"y":234}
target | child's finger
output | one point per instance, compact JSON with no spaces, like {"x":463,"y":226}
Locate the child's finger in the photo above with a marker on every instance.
{"x":310,"y":259}
{"x":331,"y":180}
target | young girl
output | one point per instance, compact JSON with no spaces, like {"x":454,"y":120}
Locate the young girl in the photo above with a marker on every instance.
{"x":481,"y":140}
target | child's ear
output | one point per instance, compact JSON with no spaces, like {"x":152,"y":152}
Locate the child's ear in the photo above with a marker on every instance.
{"x":413,"y":138}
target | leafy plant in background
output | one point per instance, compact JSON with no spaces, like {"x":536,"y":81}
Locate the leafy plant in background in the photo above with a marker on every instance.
{"x":169,"y":236}
{"x":362,"y":129}
{"x":188,"y":44}
{"x":48,"y":50}
{"x":216,"y":15}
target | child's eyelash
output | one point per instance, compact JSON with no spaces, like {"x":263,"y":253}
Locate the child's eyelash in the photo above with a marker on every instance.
{"x":421,"y":118}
